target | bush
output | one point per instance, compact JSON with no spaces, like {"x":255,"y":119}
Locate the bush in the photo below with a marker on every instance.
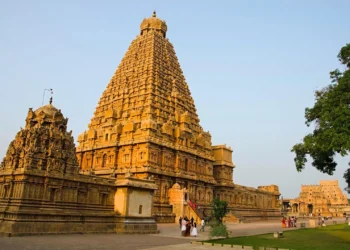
{"x":219,"y":230}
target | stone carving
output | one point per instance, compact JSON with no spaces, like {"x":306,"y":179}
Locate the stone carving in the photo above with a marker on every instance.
{"x":326,"y":199}
{"x":43,"y":144}
{"x":147,"y":107}
{"x":40,"y":171}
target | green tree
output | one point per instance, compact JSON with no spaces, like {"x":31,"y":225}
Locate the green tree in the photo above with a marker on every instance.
{"x":331,"y":117}
{"x":219,"y":210}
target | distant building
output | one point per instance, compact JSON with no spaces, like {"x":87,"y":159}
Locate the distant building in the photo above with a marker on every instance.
{"x":326,"y":199}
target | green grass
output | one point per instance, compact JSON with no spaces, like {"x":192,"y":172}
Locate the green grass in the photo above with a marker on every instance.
{"x":335,"y":237}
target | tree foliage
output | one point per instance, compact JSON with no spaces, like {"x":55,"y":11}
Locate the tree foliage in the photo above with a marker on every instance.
{"x":331,"y":117}
{"x":219,"y":230}
{"x":219,"y":210}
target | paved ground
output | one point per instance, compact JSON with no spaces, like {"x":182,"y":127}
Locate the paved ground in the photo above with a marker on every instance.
{"x":169,"y":238}
{"x":87,"y":242}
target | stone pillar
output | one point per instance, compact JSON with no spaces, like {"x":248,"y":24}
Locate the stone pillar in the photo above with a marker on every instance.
{"x":116,"y":152}
{"x":177,"y":167}
{"x":92,"y":160}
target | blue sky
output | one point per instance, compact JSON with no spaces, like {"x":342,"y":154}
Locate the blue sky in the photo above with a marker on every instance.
{"x":252,"y":68}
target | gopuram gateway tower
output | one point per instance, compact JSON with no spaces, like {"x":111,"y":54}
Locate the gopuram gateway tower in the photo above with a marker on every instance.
{"x":146,"y":124}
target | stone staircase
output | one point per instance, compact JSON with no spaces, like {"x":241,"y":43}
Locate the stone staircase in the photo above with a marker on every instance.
{"x":199,"y":212}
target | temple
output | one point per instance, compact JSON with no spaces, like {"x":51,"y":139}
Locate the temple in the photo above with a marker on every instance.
{"x":326,"y":199}
{"x":42,"y":191}
{"x":146,"y":123}
{"x":143,"y":159}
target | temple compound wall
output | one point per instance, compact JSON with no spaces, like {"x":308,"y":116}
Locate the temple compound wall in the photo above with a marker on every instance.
{"x":42,"y":191}
{"x":326,"y":199}
{"x":146,"y":123}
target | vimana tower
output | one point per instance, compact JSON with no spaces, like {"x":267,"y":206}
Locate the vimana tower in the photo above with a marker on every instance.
{"x":146,"y":124}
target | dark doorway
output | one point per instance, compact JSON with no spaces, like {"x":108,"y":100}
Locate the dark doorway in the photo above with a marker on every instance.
{"x":310,"y":208}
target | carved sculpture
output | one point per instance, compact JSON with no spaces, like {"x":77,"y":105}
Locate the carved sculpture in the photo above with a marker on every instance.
{"x":43,"y":136}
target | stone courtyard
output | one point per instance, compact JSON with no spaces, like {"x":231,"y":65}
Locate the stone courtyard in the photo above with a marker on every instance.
{"x":169,"y":238}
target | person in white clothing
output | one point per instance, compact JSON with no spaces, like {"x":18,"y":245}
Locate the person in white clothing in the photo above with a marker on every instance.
{"x":202,"y":225}
{"x":194,"y":230}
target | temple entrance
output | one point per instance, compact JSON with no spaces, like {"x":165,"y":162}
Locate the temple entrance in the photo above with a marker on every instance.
{"x":295,"y":208}
{"x":310,"y":208}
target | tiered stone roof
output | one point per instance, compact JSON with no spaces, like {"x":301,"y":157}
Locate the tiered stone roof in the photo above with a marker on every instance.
{"x":43,"y":145}
{"x":148,"y":99}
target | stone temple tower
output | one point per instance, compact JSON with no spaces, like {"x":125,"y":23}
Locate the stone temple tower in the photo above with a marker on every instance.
{"x":42,"y":191}
{"x":146,"y":124}
{"x":43,"y":145}
{"x":146,"y":121}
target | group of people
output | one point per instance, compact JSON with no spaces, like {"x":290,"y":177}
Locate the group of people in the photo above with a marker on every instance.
{"x":290,"y":222}
{"x":189,"y":227}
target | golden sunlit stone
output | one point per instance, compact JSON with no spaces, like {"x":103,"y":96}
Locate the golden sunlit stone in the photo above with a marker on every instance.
{"x":146,"y":123}
{"x":326,"y":199}
{"x":42,"y":191}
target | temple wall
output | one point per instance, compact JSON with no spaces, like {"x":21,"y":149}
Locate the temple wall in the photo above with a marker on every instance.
{"x":34,"y":203}
{"x":168,"y":167}
{"x":239,"y":196}
{"x":55,"y":204}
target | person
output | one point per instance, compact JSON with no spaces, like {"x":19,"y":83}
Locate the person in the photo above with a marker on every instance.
{"x":292,"y":221}
{"x":202,"y":225}
{"x":188,"y":228}
{"x":283,"y":222}
{"x":323,"y":222}
{"x":180,"y":220}
{"x":194,"y":230}
{"x":183,"y":227}
{"x":192,"y":221}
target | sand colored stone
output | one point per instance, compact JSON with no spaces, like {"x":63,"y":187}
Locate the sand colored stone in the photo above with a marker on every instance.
{"x":143,"y":156}
{"x":146,"y":122}
{"x":326,"y":199}
{"x":42,"y":191}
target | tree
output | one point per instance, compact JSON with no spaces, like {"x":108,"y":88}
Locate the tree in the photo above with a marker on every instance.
{"x":331,"y":117}
{"x":219,"y":210}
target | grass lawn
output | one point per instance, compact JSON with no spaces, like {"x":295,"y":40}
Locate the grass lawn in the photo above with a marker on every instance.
{"x":331,"y":238}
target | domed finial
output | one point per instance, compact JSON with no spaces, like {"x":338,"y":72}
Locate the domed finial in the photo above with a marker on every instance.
{"x":50,"y":100}
{"x":153,"y":23}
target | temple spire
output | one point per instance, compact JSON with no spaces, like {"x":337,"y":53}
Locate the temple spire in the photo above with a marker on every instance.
{"x":51,"y":91}
{"x":153,"y":23}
